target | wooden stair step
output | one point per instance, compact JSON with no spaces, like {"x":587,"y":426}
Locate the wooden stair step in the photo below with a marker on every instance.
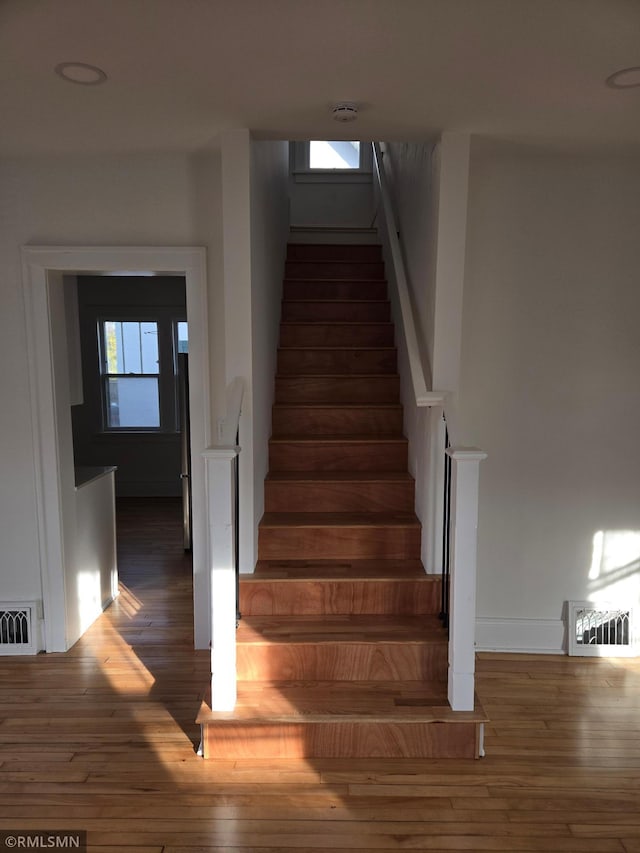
{"x":338,"y":453}
{"x":334,"y":535}
{"x":326,"y":700}
{"x":340,"y":310}
{"x":339,"y":491}
{"x":353,"y":252}
{"x":347,"y":288}
{"x":341,"y":647}
{"x":313,"y":419}
{"x":290,"y":596}
{"x":334,"y":360}
{"x":360,"y":569}
{"x":336,"y":388}
{"x":316,"y":333}
{"x":336,"y":719}
{"x":331,"y":269}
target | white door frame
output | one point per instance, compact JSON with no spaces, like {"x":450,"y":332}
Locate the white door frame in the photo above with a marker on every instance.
{"x":38,"y":262}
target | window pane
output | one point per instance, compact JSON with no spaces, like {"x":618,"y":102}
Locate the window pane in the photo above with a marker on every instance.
{"x":133,"y":402}
{"x":131,"y":347}
{"x":334,"y":155}
{"x":183,"y":336}
{"x":111,"y":346}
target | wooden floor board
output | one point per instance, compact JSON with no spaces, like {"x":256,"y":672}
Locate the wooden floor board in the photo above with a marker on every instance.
{"x":103,"y":738}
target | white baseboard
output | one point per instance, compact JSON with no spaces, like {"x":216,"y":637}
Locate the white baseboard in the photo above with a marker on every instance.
{"x":527,"y":636}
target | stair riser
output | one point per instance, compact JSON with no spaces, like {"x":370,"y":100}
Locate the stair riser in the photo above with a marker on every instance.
{"x":342,"y":661}
{"x":328,"y":335}
{"x":337,"y":389}
{"x":293,"y":420}
{"x":338,"y":311}
{"x":365,"y":456}
{"x":340,"y":740}
{"x":309,"y":289}
{"x":334,"y":269}
{"x":339,"y":543}
{"x":309,"y":598}
{"x":321,"y":496}
{"x":317,"y":361}
{"x":329,"y":252}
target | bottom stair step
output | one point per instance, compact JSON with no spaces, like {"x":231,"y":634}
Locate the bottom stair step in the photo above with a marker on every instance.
{"x":329,"y":719}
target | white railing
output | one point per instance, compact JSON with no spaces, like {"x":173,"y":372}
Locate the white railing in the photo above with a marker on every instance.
{"x":463,"y":516}
{"x":221,"y":483}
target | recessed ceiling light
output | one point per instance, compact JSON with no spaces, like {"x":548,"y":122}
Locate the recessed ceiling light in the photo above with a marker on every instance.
{"x":80,"y":72}
{"x":626,"y":78}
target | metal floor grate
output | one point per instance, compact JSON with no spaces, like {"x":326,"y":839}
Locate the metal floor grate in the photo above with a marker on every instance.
{"x":600,"y":630}
{"x":17,"y":628}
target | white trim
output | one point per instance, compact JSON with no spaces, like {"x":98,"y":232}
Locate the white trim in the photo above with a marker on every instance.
{"x":465,"y":473}
{"x":37,"y":263}
{"x":524,"y":636}
{"x":221,"y":486}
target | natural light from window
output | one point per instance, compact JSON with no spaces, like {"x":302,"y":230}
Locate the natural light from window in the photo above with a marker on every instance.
{"x":131,"y":373}
{"x":334,"y":155}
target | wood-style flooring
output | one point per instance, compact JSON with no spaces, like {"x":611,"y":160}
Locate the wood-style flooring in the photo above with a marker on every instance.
{"x":103,"y":739}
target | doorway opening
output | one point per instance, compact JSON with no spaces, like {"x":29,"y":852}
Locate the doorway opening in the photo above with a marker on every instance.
{"x":44,"y":269}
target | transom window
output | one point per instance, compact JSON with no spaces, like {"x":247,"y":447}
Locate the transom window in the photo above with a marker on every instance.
{"x":334,"y":155}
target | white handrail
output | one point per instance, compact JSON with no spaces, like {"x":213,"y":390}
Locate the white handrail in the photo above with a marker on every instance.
{"x":423,"y":396}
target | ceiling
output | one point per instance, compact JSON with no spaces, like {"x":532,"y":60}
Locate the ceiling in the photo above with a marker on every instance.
{"x":182,"y":71}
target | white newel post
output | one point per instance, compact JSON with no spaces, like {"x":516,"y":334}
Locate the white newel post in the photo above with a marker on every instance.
{"x":220,"y":464}
{"x":465,"y":471}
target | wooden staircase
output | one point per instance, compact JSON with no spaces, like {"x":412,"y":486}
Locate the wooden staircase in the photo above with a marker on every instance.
{"x":340,"y":652}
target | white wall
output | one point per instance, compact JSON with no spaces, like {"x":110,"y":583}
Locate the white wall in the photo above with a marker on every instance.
{"x":269,"y":231}
{"x":550,"y":387}
{"x":325,"y":199}
{"x":92,"y":581}
{"x":255,"y":227}
{"x":101,"y":200}
{"x":414,"y":171}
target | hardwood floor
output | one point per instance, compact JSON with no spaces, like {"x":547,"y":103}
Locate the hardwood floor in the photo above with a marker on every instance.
{"x":102,"y":738}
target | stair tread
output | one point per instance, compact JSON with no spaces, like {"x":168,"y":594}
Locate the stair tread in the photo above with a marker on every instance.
{"x":339,"y":299}
{"x":339,"y":519}
{"x":338,"y":438}
{"x":353,"y":701}
{"x":338,"y":476}
{"x":302,"y":348}
{"x":332,"y":570}
{"x":339,"y":406}
{"x":292,"y":279}
{"x":386,"y":323}
{"x":341,"y":628}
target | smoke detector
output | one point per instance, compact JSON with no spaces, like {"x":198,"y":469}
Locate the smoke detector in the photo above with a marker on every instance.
{"x":345,"y":112}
